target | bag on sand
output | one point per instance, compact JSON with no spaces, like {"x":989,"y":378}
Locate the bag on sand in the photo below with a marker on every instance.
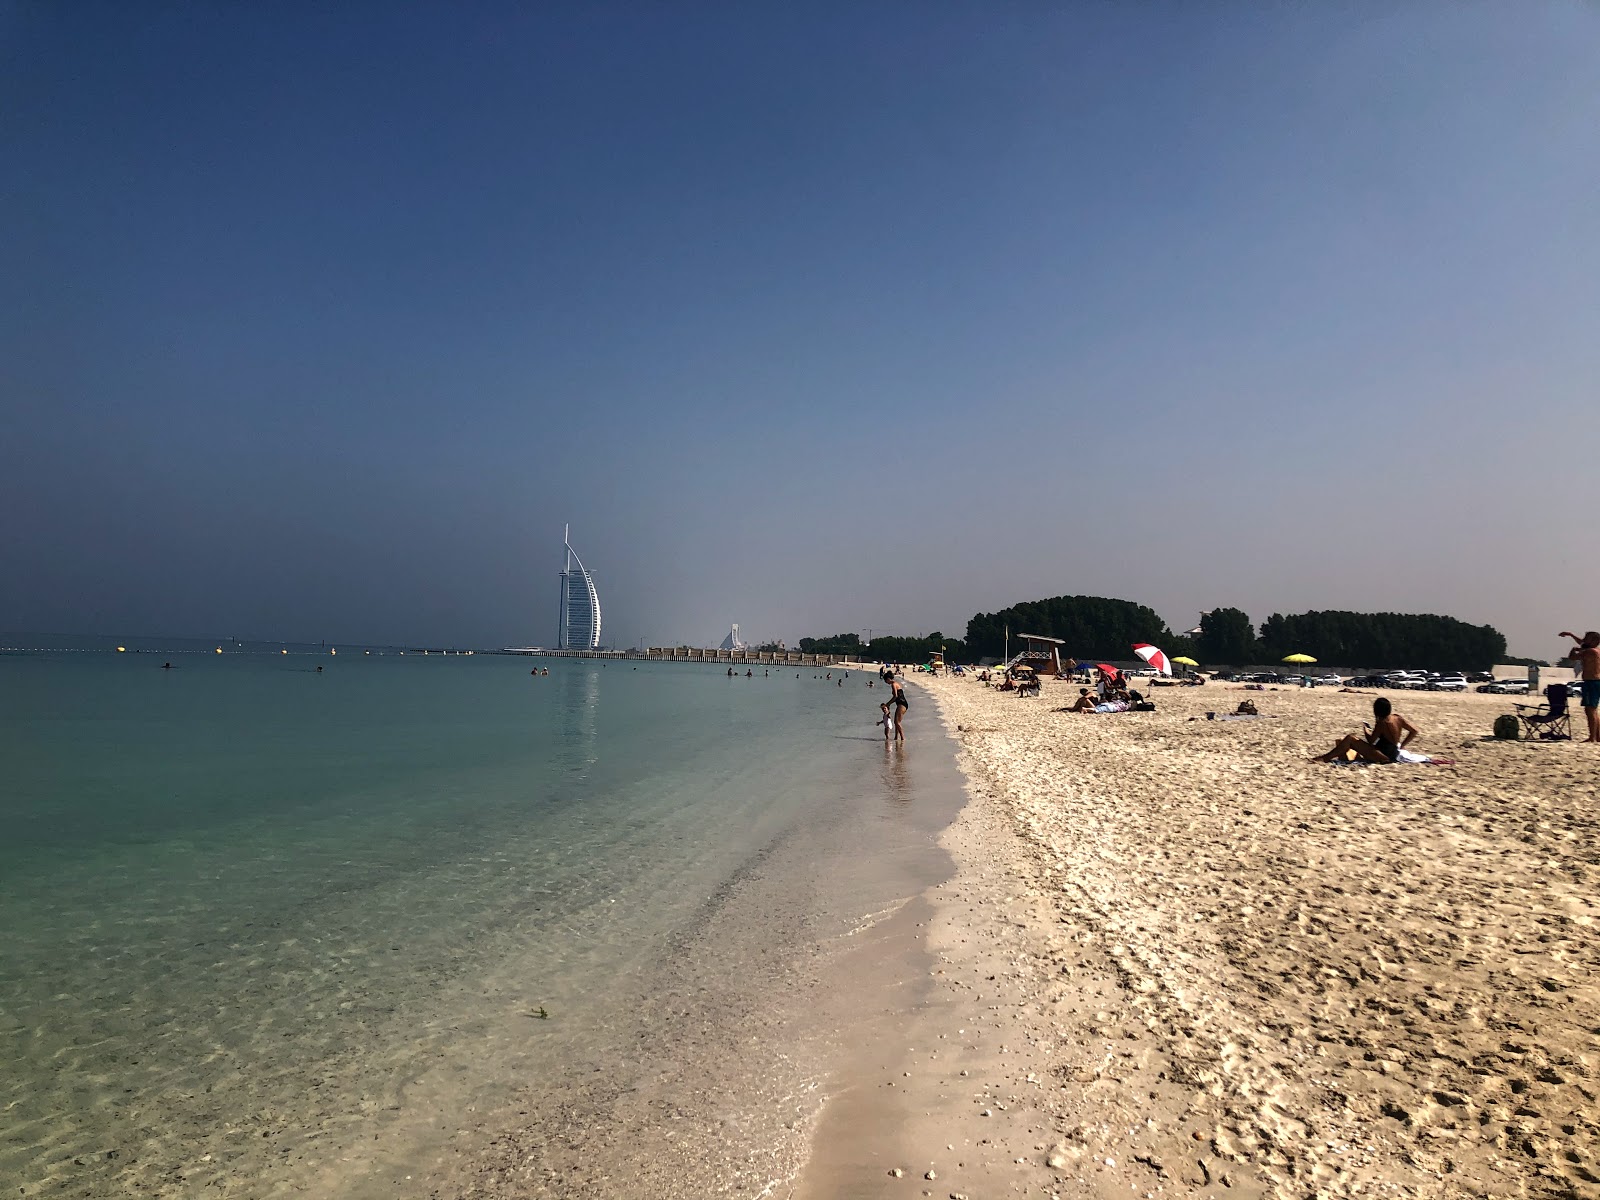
{"x":1506,"y":727}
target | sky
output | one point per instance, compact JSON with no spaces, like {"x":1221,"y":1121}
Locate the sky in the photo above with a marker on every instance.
{"x":321,"y":321}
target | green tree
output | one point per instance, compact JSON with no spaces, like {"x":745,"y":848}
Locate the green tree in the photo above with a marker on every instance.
{"x":1091,"y":626}
{"x":1227,"y":638}
{"x":890,"y":648}
{"x":1352,"y":639}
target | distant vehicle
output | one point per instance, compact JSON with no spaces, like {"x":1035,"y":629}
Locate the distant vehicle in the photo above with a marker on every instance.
{"x":1328,"y":680}
{"x":1479,"y":677}
{"x":1405,"y":679}
{"x":1508,"y":687}
{"x":1366,"y":681}
{"x":1448,"y":683}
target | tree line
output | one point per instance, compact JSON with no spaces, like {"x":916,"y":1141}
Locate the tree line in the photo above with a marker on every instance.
{"x":1099,"y":627}
{"x":890,"y":648}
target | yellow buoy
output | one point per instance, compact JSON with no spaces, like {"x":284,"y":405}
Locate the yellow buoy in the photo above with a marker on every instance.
{"x":219,"y":649}
{"x":331,"y":650}
{"x":122,"y":649}
{"x":283,"y":652}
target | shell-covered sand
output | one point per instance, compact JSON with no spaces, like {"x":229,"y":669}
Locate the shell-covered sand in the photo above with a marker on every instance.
{"x":1242,"y":973}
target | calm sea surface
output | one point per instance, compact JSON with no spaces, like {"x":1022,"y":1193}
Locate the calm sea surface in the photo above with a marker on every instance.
{"x":265,"y":930}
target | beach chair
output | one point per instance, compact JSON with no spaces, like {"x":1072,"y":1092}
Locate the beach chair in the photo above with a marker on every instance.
{"x":1549,"y":721}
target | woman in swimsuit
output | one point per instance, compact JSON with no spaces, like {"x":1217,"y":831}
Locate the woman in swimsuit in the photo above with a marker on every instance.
{"x":898,"y":699}
{"x":1382,"y":743}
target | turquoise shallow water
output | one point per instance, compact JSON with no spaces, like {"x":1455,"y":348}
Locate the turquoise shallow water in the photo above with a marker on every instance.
{"x":267,"y":930}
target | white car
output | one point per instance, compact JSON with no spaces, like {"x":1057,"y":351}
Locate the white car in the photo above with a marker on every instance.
{"x":1328,"y":681}
{"x":1508,"y":687}
{"x":1448,"y":683}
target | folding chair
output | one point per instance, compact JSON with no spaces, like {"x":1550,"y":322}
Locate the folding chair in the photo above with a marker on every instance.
{"x":1549,"y":721}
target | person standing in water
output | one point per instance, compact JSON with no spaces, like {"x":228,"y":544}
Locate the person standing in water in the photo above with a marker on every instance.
{"x":887,"y":721}
{"x":901,"y":704}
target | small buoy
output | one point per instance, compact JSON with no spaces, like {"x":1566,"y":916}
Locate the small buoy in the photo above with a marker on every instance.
{"x":219,"y":649}
{"x":283,"y":652}
{"x":331,"y":650}
{"x":122,"y":649}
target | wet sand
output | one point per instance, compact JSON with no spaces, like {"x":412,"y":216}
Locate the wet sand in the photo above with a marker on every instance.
{"x":1179,"y":959}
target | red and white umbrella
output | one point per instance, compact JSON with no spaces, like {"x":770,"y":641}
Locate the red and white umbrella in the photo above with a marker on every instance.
{"x":1154,"y":657}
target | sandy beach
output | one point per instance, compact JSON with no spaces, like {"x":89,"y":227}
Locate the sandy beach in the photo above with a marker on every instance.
{"x":1180,"y":959}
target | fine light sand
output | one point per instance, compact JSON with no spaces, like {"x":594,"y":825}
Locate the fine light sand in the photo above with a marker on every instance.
{"x":1179,"y":959}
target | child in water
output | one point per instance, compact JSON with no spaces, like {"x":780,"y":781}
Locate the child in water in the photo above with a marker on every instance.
{"x":887,"y":721}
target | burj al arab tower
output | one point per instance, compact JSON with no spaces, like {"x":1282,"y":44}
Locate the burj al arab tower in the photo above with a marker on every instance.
{"x":580,"y":603}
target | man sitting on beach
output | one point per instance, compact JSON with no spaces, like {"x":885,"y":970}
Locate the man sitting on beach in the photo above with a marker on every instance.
{"x":1589,"y":668}
{"x":1084,"y":702}
{"x":1380,"y":744}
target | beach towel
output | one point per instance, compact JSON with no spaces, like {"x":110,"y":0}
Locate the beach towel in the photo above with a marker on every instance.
{"x":1411,"y":758}
{"x":1407,"y":758}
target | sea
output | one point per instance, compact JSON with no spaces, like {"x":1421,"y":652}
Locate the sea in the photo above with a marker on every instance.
{"x":288,"y":920}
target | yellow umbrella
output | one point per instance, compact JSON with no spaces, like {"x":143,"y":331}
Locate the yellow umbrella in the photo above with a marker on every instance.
{"x":1300,"y":658}
{"x":1188,"y":662}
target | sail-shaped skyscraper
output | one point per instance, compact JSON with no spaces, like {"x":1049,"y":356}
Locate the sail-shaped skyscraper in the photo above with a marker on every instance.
{"x":580,"y":603}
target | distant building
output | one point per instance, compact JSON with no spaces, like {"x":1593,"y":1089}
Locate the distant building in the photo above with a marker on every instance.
{"x":579,"y":628}
{"x":733,"y":641}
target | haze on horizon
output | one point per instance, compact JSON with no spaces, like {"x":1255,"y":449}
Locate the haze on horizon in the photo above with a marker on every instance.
{"x":321,"y":322}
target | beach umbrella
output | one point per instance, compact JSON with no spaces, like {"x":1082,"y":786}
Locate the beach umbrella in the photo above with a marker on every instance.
{"x":1299,"y":658}
{"x":1188,"y":662}
{"x":1108,"y":669}
{"x":1153,"y":656}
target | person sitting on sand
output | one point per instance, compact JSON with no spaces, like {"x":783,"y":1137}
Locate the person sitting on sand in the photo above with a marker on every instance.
{"x":1084,"y":702}
{"x":1382,"y":743}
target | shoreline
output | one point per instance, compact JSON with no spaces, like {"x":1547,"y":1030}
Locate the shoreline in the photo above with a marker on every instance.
{"x":1177,"y":958}
{"x":940,"y":1100}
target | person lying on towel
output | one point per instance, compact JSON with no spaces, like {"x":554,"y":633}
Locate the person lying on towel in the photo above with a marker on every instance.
{"x":1381,"y":743}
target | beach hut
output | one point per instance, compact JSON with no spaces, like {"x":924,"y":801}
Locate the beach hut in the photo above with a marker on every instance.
{"x":1041,"y":653}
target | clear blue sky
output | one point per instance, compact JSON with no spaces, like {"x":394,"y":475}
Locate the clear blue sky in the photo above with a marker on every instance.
{"x":320,"y":320}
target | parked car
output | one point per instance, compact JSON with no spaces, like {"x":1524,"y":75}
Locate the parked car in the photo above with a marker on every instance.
{"x":1479,"y":677}
{"x":1367,"y":681}
{"x":1509,"y":687}
{"x":1448,"y":683}
{"x":1329,"y":680}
